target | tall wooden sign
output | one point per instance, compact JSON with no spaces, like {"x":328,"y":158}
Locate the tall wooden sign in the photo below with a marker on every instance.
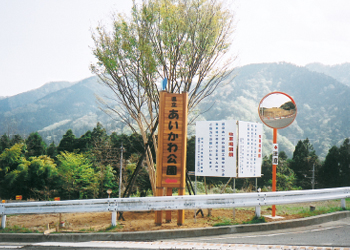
{"x":171,"y":155}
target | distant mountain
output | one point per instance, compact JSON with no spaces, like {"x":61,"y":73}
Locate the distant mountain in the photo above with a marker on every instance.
{"x":340,"y":72}
{"x":322,"y":102}
{"x":20,"y":100}
{"x":54,"y":108}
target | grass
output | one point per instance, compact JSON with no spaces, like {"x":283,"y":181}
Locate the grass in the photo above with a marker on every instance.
{"x":87,"y":230}
{"x":303,"y":209}
{"x":223,"y":221}
{"x":228,"y":222}
{"x":255,"y":220}
{"x":17,"y":229}
{"x":111,"y":228}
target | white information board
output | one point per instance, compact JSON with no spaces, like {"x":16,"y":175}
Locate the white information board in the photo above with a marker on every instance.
{"x":249,"y":149}
{"x":216,"y":148}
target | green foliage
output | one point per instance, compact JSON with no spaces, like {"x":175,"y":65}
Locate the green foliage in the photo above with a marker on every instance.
{"x":108,"y":180}
{"x":78,"y":178}
{"x":11,"y":158}
{"x":84,"y":143}
{"x":132,"y":144}
{"x":266,"y":170}
{"x":285,"y":176}
{"x":304,"y":157}
{"x":306,"y":212}
{"x":35,"y":145}
{"x":335,"y":171}
{"x":16,"y":139}
{"x":223,"y":221}
{"x":112,"y":228}
{"x":256,"y":220}
{"x":330,"y":170}
{"x":4,"y":143}
{"x":52,"y":150}
{"x":68,"y":142}
{"x":87,"y":172}
{"x":99,"y":136}
{"x":142,"y":180}
{"x":32,"y":178}
{"x":41,"y":177}
{"x":344,"y":161}
{"x":17,"y":229}
{"x":191,"y":154}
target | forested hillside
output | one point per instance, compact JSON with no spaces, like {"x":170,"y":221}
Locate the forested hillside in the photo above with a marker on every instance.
{"x":340,"y":72}
{"x":322,"y":102}
{"x":86,"y":166}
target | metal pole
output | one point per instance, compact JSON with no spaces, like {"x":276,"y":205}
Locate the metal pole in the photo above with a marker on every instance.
{"x":114,"y":219}
{"x":121,"y":170}
{"x":313,"y":176}
{"x":195,"y":193}
{"x":3,"y":221}
{"x":342,"y":202}
{"x":274,"y":166}
{"x":234,"y":191}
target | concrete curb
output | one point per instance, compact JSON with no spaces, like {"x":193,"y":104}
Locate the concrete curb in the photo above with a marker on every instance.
{"x":171,"y":234}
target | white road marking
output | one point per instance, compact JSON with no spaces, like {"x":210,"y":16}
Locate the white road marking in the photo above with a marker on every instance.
{"x":180,"y":245}
{"x":230,"y":236}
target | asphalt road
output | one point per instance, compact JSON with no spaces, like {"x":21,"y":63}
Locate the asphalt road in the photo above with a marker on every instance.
{"x":279,"y":123}
{"x":335,"y":234}
{"x":330,"y":234}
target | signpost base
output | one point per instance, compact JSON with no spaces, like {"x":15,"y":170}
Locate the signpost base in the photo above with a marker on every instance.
{"x":169,"y":192}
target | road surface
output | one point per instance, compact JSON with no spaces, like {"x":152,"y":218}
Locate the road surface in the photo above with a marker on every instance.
{"x":330,"y":235}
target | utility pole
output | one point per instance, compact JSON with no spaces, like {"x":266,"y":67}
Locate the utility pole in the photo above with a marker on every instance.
{"x":313,"y":176}
{"x":121,"y":170}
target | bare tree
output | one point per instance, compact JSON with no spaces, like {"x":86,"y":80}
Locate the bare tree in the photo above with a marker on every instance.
{"x":182,"y":41}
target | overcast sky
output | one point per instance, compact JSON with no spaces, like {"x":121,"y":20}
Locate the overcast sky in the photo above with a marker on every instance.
{"x":49,"y":40}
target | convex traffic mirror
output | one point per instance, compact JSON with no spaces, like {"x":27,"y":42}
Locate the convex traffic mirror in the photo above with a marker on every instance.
{"x":277,"y":110}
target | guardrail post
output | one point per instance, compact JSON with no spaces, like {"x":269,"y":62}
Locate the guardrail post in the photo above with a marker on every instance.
{"x":258,"y":211}
{"x":343,"y":204}
{"x":114,"y":218}
{"x":3,"y":221}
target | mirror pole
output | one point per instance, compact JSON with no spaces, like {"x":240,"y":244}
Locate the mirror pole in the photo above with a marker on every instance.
{"x":274,"y":167}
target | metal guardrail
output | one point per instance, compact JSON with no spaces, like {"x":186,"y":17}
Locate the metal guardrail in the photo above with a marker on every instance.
{"x":175,"y":202}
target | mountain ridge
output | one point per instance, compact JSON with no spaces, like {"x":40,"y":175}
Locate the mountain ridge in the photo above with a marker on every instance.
{"x":322,"y":103}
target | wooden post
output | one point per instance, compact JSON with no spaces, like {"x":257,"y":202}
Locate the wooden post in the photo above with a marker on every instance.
{"x":181,"y":213}
{"x":169,"y":192}
{"x":59,"y":222}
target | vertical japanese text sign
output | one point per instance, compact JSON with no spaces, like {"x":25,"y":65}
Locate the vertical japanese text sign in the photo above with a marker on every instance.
{"x":216,"y":148}
{"x":249,"y":149}
{"x":172,"y":140}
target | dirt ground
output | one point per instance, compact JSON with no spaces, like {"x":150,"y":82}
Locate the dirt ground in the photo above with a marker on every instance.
{"x":134,"y":221}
